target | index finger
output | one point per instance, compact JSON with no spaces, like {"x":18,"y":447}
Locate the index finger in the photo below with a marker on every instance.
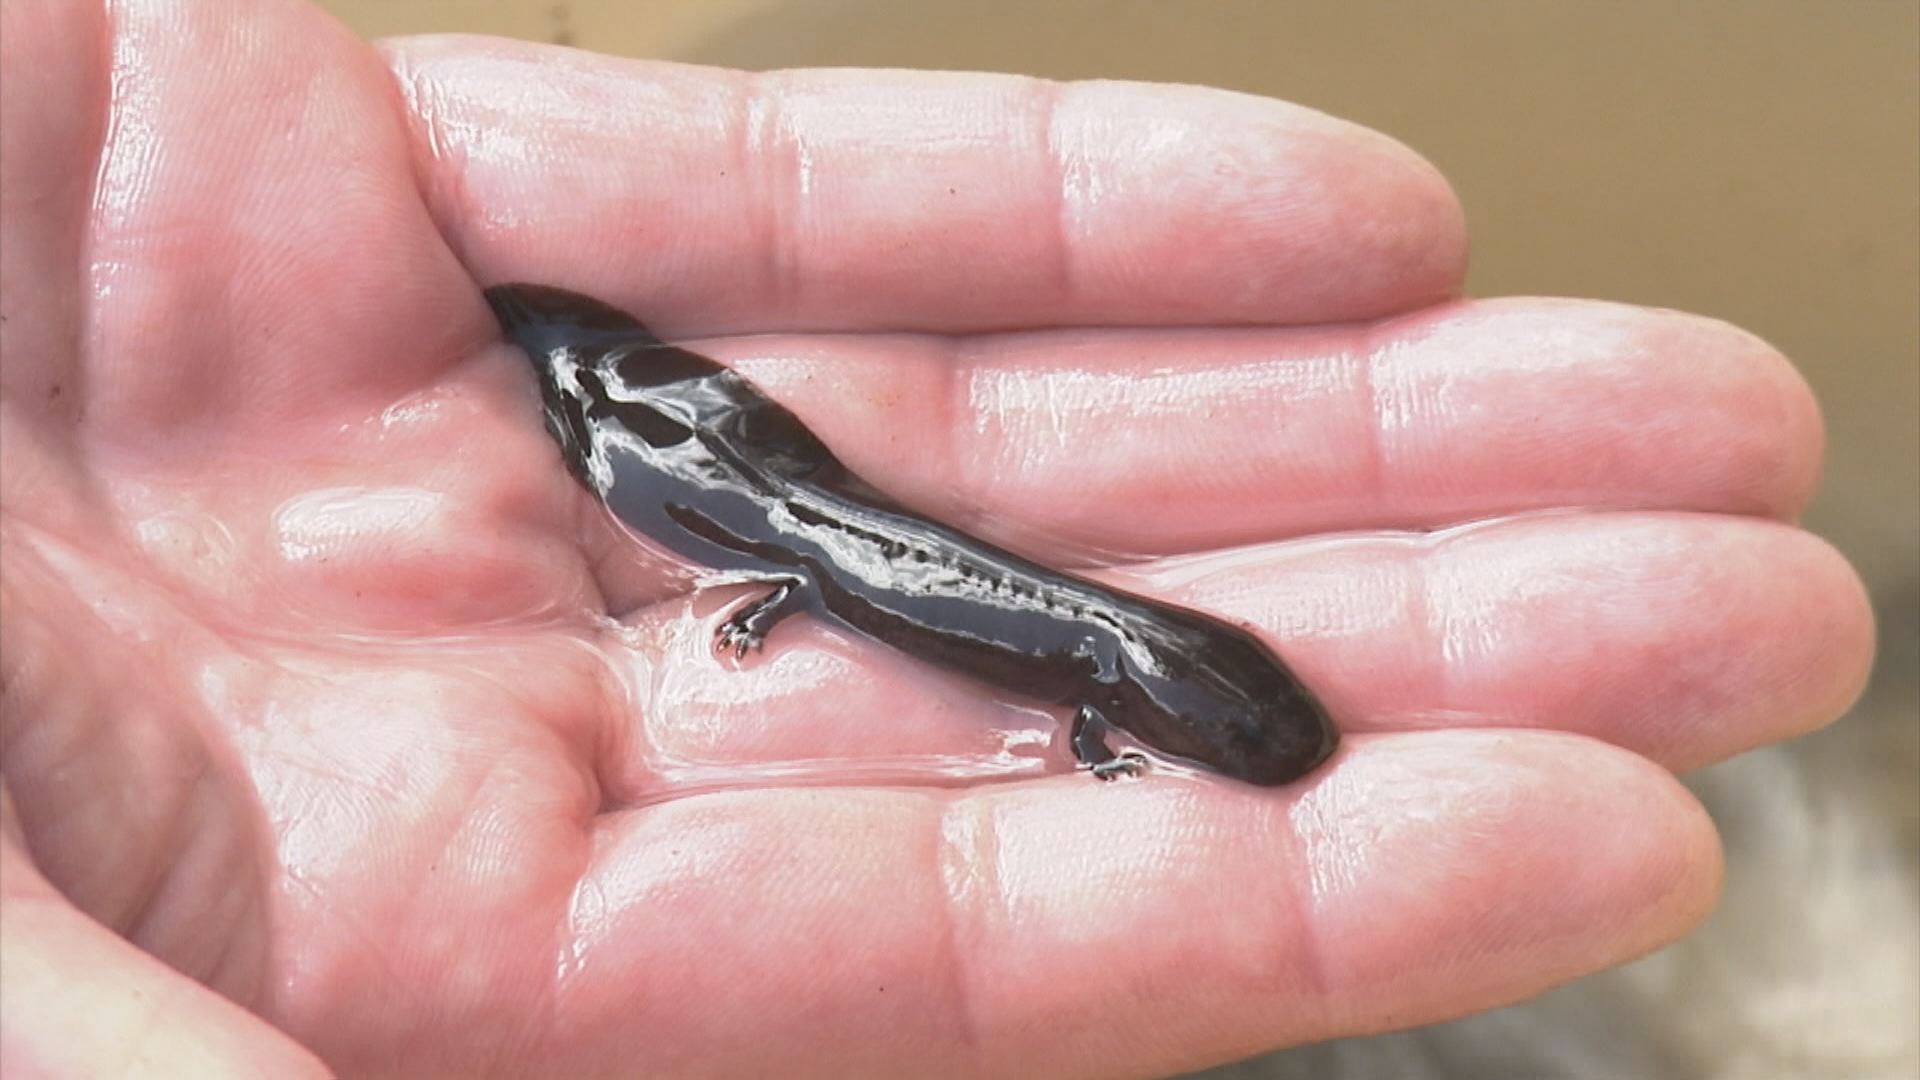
{"x":717,"y":201}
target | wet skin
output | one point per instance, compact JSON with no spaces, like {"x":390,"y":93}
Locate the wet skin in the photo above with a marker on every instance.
{"x":690,"y":455}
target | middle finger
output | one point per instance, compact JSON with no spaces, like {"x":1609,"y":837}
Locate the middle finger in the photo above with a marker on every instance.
{"x":1242,"y":436}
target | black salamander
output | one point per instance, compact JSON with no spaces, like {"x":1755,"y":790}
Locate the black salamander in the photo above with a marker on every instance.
{"x":693,"y":457}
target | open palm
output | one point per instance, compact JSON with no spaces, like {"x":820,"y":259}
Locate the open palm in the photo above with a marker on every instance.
{"x":312,"y":702}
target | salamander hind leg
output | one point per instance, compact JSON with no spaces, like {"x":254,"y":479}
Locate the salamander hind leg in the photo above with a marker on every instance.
{"x":1089,"y":740}
{"x":748,"y":626}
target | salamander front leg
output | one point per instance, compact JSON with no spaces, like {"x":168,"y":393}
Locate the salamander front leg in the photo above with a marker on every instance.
{"x":748,"y":626}
{"x":1088,"y":737}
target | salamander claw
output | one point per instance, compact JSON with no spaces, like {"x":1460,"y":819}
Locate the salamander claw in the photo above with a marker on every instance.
{"x":1126,"y":764}
{"x":749,"y":625}
{"x":736,"y":636}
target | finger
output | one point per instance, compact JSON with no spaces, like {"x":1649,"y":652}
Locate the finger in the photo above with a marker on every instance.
{"x":83,"y":1001}
{"x":722,"y":201}
{"x":869,"y":932}
{"x":1683,"y":638}
{"x":1466,"y":412}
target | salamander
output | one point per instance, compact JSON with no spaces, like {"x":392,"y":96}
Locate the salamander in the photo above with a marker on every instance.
{"x":690,"y":455}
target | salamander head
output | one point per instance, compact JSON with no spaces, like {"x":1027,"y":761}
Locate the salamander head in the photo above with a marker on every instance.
{"x":547,"y":323}
{"x":543,"y":320}
{"x":561,"y":334}
{"x":606,"y":381}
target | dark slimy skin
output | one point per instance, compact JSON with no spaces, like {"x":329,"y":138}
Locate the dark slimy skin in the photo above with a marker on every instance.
{"x":693,"y":457}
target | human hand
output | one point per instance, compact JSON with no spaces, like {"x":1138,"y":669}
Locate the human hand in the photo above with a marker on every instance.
{"x":302,"y":747}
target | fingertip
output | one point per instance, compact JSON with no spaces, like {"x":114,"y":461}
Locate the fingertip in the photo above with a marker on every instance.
{"x":1457,"y":871}
{"x":1786,"y":649}
{"x":1775,"y":438}
{"x":1835,"y":625}
{"x":937,"y":201}
{"x":1432,"y":255}
{"x":1233,"y":207}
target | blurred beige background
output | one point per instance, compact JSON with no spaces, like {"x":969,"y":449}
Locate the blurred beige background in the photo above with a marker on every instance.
{"x":1756,"y":160}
